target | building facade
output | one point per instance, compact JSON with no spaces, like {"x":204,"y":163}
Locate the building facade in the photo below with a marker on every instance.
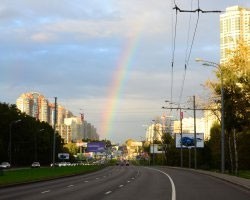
{"x":234,"y":27}
{"x":69,"y":127}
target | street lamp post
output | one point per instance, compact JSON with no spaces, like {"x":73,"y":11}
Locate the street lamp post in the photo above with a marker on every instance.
{"x":218,"y":66}
{"x":153,"y":142}
{"x":35,"y":143}
{"x":10,"y":138}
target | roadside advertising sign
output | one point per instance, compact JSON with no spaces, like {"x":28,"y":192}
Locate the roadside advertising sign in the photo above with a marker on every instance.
{"x":63,"y":156}
{"x":96,"y":147}
{"x":188,"y":140}
{"x":156,"y":148}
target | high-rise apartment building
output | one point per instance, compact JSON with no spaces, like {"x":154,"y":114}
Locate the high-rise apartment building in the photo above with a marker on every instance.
{"x":69,"y":127}
{"x":35,"y":105}
{"x":234,"y":27}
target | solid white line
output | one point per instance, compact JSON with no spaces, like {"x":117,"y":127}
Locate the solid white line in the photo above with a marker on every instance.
{"x":171,"y":181}
{"x":108,"y":192}
{"x":45,"y":191}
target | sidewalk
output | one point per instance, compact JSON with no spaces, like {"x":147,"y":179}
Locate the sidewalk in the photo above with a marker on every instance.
{"x":243,"y":182}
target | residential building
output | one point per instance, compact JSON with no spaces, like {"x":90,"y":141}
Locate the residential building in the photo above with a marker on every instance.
{"x":234,"y":27}
{"x":154,"y":132}
{"x":70,"y":128}
{"x":188,"y":126}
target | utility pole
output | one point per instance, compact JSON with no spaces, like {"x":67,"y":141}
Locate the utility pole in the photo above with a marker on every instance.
{"x":181,"y":117}
{"x":54,"y":138}
{"x":195,"y":138}
{"x":153,"y":143}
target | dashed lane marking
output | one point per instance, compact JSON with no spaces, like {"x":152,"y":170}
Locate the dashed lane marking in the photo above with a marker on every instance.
{"x":46,"y":191}
{"x":108,"y":192}
{"x":70,"y":186}
{"x":121,"y":186}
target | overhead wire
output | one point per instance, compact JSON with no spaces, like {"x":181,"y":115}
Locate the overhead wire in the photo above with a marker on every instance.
{"x":187,"y":58}
{"x":174,"y":31}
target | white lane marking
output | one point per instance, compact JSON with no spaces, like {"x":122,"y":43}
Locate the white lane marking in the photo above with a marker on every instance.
{"x":97,"y":178}
{"x":70,"y":186}
{"x":86,"y":181}
{"x":133,"y":178}
{"x":121,"y":186}
{"x":128,"y":181}
{"x":46,"y":191}
{"x":171,"y":181}
{"x":108,"y":192}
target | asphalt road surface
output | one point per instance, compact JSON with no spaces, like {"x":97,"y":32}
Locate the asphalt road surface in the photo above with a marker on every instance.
{"x":130,"y":183}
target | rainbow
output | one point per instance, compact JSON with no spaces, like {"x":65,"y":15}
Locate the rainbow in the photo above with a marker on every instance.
{"x":118,"y":80}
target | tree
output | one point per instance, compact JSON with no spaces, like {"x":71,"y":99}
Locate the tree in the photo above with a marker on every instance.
{"x":25,"y":137}
{"x":236,"y":77}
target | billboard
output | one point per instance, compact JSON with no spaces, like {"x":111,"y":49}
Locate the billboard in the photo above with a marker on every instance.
{"x":96,"y":147}
{"x":156,"y":148}
{"x":63,"y":156}
{"x":188,"y":140}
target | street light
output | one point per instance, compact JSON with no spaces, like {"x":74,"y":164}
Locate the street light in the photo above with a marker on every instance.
{"x":10,"y":138}
{"x":153,"y":142}
{"x":35,"y":157}
{"x":218,"y":66}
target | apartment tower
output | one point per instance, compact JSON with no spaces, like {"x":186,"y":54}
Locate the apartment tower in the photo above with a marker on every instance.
{"x":234,"y":27}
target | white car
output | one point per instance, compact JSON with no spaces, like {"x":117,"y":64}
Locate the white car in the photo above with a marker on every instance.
{"x":35,"y":165}
{"x":5,"y":165}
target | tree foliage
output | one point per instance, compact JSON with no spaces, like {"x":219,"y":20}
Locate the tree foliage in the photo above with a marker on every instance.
{"x":30,"y":139}
{"x":235,"y":74}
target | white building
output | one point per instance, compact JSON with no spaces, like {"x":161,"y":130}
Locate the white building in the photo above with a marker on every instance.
{"x":154,"y":132}
{"x":188,"y":126}
{"x":234,"y":26}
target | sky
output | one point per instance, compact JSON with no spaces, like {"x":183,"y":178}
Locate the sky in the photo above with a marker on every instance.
{"x":109,"y":59}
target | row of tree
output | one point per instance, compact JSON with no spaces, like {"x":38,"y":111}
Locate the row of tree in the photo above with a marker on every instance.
{"x":25,"y":139}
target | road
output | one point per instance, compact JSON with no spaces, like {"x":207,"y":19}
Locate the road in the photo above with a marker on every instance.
{"x":130,"y":183}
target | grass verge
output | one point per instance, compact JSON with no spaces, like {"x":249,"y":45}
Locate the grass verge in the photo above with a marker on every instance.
{"x":11,"y":177}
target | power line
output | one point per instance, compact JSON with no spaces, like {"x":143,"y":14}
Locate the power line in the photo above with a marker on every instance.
{"x":187,"y":57}
{"x":173,"y":50}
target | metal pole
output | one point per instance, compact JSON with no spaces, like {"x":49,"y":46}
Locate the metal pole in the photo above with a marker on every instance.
{"x":10,"y":135}
{"x":154,"y":146}
{"x":195,"y":138}
{"x":35,"y":146}
{"x":10,"y":139}
{"x":222,"y":126}
{"x":54,"y":138}
{"x":189,"y":157}
{"x":181,"y":116}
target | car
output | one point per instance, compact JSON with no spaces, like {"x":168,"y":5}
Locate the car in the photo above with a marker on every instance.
{"x":35,"y":165}
{"x":5,"y":165}
{"x":187,"y":141}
